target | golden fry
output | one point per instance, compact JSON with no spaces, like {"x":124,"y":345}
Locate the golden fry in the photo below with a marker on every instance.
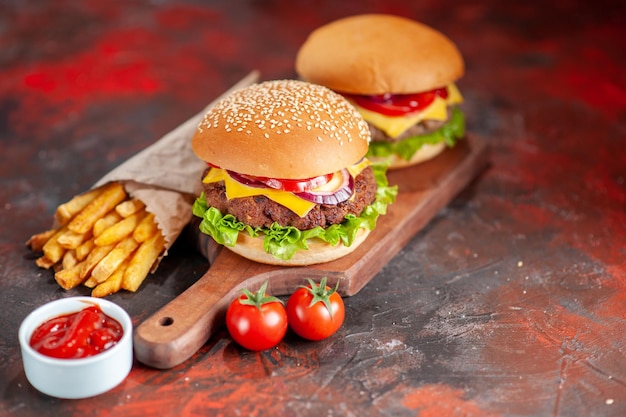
{"x":112,"y":194}
{"x":65,"y":212}
{"x":90,"y":282}
{"x":113,"y":283}
{"x":120,"y":230}
{"x":129,"y":207}
{"x":142,"y":261}
{"x":69,"y":278}
{"x":105,"y":222}
{"x":84,"y":248}
{"x":105,"y":241}
{"x":36,"y":242}
{"x":114,"y":259}
{"x":95,"y":256}
{"x":44,"y":262}
{"x":69,"y":259}
{"x":146,"y":228}
{"x":71,"y":240}
{"x":53,"y":249}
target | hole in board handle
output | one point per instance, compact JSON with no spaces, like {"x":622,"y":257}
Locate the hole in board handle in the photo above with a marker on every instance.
{"x":166,"y":321}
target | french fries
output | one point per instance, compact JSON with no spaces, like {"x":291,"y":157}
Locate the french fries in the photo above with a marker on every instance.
{"x":105,"y":240}
{"x":142,"y":262}
{"x":129,"y":207}
{"x":120,"y":230}
{"x":111,"y":195}
{"x":113,"y":284}
{"x":65,"y":212}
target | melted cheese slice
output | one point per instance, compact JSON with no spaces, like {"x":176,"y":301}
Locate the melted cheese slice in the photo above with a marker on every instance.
{"x":358,"y":167}
{"x":394,"y":126}
{"x":300,"y":206}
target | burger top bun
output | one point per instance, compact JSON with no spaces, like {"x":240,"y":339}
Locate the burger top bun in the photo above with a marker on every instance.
{"x":378,"y":53}
{"x":282,"y":129}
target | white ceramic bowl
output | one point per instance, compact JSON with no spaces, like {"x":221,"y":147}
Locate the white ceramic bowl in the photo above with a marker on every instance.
{"x":76,"y":378}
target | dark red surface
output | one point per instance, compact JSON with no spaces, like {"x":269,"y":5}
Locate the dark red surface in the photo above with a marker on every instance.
{"x":512,"y":302}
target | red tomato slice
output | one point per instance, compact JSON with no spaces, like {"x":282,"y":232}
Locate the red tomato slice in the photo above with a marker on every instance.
{"x":398,"y":104}
{"x":293,"y":186}
{"x":342,"y":189}
{"x":297,"y":186}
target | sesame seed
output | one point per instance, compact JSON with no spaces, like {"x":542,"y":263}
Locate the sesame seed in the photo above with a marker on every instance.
{"x":275,"y":105}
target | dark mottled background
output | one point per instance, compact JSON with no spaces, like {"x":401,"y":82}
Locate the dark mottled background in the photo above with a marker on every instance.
{"x":511,"y":302}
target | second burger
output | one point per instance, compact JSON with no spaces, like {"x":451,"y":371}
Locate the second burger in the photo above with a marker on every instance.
{"x":287,"y":182}
{"x":399,"y":74}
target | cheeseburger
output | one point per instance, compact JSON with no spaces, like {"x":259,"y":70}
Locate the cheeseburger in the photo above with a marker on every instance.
{"x":287,"y":182}
{"x":400,"y":76}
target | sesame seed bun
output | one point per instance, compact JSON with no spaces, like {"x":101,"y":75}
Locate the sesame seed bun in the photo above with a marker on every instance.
{"x":376,"y":54}
{"x":284,"y":129}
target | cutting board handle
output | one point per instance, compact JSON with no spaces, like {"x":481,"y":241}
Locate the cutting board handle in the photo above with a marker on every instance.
{"x":180,"y":328}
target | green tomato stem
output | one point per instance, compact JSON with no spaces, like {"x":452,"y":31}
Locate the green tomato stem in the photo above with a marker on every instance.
{"x":321,"y":294}
{"x":258,"y":298}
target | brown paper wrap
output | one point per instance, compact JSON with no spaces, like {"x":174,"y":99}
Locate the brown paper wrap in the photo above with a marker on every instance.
{"x":166,"y":175}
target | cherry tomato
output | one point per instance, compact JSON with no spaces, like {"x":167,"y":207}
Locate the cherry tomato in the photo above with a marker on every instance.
{"x":256,"y":321}
{"x":316,"y":311}
{"x":398,"y":104}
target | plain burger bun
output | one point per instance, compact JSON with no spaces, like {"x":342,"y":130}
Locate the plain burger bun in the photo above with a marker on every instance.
{"x":282,"y":129}
{"x":318,"y":252}
{"x":374,"y":54}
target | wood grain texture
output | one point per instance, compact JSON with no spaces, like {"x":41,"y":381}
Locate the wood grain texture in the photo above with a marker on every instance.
{"x":181,"y":327}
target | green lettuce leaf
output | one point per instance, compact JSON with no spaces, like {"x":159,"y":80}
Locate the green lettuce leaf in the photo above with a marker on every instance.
{"x":450,"y":133}
{"x":284,"y":242}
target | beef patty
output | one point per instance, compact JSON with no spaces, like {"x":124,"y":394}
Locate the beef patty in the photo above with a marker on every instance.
{"x":260,"y":211}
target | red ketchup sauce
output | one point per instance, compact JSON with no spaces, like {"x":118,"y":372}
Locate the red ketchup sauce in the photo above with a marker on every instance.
{"x":77,"y":335}
{"x":398,"y":104}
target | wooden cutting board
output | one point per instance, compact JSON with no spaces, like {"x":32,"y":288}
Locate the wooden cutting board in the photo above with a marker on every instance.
{"x":181,"y":327}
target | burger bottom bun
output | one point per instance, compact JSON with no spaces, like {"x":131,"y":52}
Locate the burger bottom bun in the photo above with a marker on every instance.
{"x":319,"y":251}
{"x":424,"y":153}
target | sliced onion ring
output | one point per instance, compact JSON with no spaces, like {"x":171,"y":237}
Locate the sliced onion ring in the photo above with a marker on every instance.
{"x":246,"y":180}
{"x":341,"y":193}
{"x":293,"y":186}
{"x":296,"y":186}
